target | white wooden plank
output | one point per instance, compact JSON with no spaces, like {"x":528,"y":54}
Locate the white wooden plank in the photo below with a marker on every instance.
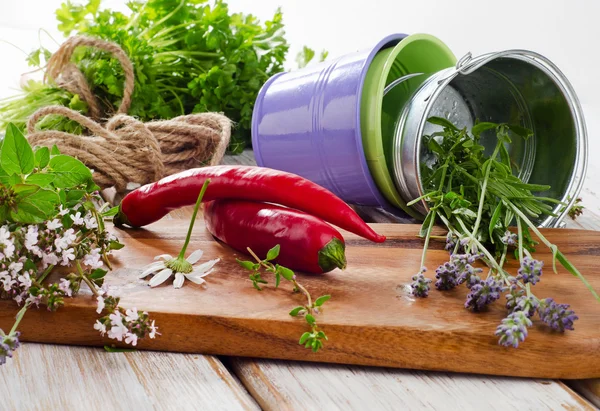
{"x":48,"y":377}
{"x":278,"y":385}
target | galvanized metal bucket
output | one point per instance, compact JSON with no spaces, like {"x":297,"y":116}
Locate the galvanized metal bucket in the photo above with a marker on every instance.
{"x":514,"y":86}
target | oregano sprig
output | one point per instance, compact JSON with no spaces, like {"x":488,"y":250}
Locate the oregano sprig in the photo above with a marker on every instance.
{"x":312,"y":339}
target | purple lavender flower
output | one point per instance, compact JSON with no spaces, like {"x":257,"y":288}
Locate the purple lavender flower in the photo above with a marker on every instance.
{"x":513,"y":329}
{"x":530,"y":271}
{"x":558,"y":316}
{"x":8,"y":345}
{"x":466,"y":273}
{"x":527,"y":304}
{"x":420,"y":285}
{"x":450,"y":242}
{"x":510,"y":239}
{"x":514,"y":293}
{"x":446,"y":276}
{"x":484,"y":293}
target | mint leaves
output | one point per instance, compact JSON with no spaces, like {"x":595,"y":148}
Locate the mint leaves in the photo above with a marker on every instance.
{"x":35,"y":184}
{"x":17,"y":155}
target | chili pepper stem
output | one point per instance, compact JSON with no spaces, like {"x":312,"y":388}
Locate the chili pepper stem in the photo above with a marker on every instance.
{"x":332,"y":256}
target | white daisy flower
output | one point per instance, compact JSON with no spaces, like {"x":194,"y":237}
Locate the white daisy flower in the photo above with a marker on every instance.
{"x":182,"y":269}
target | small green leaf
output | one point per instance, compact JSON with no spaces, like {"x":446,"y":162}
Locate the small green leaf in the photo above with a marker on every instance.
{"x":69,"y":171}
{"x":248,"y":265}
{"x":16,"y":156}
{"x":494,"y":220}
{"x":98,"y":273}
{"x":111,"y":212}
{"x":319,"y":301}
{"x":29,"y":265}
{"x":115,"y":245}
{"x":34,"y":204}
{"x":481,"y":127}
{"x":520,"y":131}
{"x":285,"y":272}
{"x":54,"y":151}
{"x":466,"y":212}
{"x":72,"y":197}
{"x":296,"y":311}
{"x":310,"y":319}
{"x":273,"y":253}
{"x":277,"y":279}
{"x":442,"y":122}
{"x":40,"y":179}
{"x":42,"y":157}
{"x":426,"y":223}
{"x":304,"y":338}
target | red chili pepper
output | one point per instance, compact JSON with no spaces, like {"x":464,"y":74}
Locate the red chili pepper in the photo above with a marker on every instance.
{"x":153,"y":201}
{"x":307,"y":243}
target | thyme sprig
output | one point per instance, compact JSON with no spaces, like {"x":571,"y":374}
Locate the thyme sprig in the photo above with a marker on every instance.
{"x":312,"y":339}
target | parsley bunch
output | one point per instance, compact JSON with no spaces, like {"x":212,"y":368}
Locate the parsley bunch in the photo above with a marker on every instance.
{"x":188,"y":57}
{"x":477,"y":197}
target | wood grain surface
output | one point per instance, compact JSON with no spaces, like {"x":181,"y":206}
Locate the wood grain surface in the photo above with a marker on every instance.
{"x":371,"y":319}
{"x":50,"y":377}
{"x":278,"y":385}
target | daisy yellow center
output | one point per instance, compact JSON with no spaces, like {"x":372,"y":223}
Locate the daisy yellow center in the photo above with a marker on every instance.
{"x":179,"y":265}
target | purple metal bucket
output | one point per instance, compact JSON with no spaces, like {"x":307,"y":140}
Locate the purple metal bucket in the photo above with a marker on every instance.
{"x":307,"y":122}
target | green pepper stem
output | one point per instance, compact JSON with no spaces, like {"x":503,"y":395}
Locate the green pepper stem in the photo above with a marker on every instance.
{"x":193,"y":220}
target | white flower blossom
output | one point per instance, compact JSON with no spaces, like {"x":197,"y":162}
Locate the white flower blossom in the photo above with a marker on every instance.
{"x":9,"y":249}
{"x":162,"y":272}
{"x":65,"y":286}
{"x":4,"y":234}
{"x":31,"y":238}
{"x":90,"y":221}
{"x":62,"y":211}
{"x":153,"y":330}
{"x":54,"y":224}
{"x":101,"y":304}
{"x":100,"y":327}
{"x":15,"y":267}
{"x":77,"y":218}
{"x":68,"y":256}
{"x":34,"y":300}
{"x":8,"y":282}
{"x":50,"y":259}
{"x":131,"y":314}
{"x":118,"y":329}
{"x":25,"y":280}
{"x":131,"y":338}
{"x":93,"y":259}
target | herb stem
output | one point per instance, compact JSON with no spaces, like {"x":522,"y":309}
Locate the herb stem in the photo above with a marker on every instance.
{"x":427,"y":237}
{"x":45,"y":274}
{"x":85,"y":278}
{"x":484,"y":188}
{"x":193,"y":220}
{"x":19,"y":317}
{"x":520,"y":231}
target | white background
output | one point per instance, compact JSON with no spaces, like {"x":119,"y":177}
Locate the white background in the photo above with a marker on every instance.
{"x":565,"y":31}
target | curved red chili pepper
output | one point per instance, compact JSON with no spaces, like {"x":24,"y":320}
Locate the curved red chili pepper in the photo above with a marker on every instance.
{"x":307,"y":243}
{"x":153,"y":201}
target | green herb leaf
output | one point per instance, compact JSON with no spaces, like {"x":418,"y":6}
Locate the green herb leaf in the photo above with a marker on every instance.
{"x":440,"y":121}
{"x":16,"y":156}
{"x":520,"y":131}
{"x":111,"y":212}
{"x":273,"y":253}
{"x":296,"y":311}
{"x":248,"y":265}
{"x":285,"y":272}
{"x":426,"y":223}
{"x":54,"y":151}
{"x":304,"y":338}
{"x":321,"y":300}
{"x":481,"y":127}
{"x":115,"y":245}
{"x":40,"y":179}
{"x":69,"y":172}
{"x":34,"y":204}
{"x":98,"y":273}
{"x":310,"y":319}
{"x":42,"y":157}
{"x":72,"y":197}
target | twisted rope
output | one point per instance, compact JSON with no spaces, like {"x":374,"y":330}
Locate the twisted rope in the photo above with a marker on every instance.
{"x":125,"y":150}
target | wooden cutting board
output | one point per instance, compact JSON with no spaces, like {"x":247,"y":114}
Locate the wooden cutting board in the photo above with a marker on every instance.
{"x":371,"y":319}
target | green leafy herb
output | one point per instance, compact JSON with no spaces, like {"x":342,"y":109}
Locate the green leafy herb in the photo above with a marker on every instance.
{"x":312,"y":339}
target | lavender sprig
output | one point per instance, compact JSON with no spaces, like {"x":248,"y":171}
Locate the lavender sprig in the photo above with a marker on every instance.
{"x":530,"y":271}
{"x":558,"y":316}
{"x":483,"y":293}
{"x":513,"y":329}
{"x":420,"y":285}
